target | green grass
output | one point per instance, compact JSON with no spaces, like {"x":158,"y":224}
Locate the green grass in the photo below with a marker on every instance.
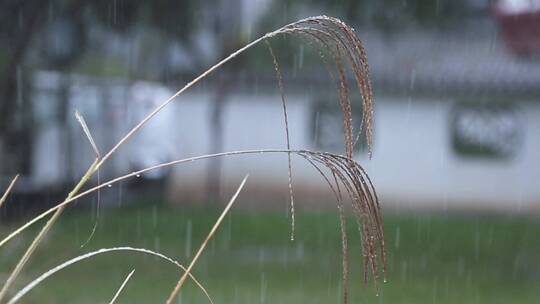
{"x":432,"y":259}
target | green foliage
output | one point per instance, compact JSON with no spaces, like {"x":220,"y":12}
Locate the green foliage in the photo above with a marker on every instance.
{"x":432,"y":258}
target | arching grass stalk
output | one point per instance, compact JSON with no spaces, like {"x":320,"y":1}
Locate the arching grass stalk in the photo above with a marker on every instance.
{"x":35,"y":282}
{"x":33,"y":246}
{"x":346,"y":173}
{"x":287,"y":137}
{"x":342,"y":42}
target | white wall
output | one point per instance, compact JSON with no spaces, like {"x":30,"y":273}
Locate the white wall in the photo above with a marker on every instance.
{"x":413,"y":164}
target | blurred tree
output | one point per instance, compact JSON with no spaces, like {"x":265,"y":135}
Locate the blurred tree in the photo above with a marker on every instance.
{"x":391,"y":15}
{"x":19,"y":22}
{"x":62,"y":26}
{"x":227,"y":27}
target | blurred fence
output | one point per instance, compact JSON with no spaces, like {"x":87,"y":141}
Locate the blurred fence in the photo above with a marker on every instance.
{"x":471,"y":152}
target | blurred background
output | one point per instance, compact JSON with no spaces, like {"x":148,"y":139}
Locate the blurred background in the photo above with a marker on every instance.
{"x":455,"y":157}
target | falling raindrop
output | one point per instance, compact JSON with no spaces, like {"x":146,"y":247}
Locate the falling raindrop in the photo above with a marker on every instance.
{"x":263,"y":288}
{"x":295,"y":66}
{"x":51,"y":11}
{"x":413,"y":79}
{"x":114,"y":12}
{"x":461,"y":266}
{"x":404,"y":270}
{"x":19,"y":86}
{"x":77,"y":231}
{"x":398,"y":231}
{"x":180,"y":298}
{"x":120,"y":194}
{"x":300,"y":250}
{"x":139,"y":230}
{"x":476,"y":244}
{"x":316,"y":131}
{"x":154,"y":216}
{"x":301,"y":57}
{"x":21,"y":19}
{"x":408,"y":113}
{"x":156,"y":243}
{"x":434,"y":290}
{"x":228,"y":233}
{"x":261,"y":257}
{"x":188,"y":238}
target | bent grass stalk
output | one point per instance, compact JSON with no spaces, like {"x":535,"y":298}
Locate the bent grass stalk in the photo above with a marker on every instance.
{"x":286,"y":121}
{"x":113,"y":181}
{"x":43,"y":232}
{"x":21,"y":293}
{"x":326,"y":159}
{"x":97,"y":165}
{"x":33,"y":246}
{"x":341,"y":40}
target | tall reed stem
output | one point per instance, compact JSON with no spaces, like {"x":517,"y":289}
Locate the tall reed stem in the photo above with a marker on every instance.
{"x":44,"y":231}
{"x":99,"y":162}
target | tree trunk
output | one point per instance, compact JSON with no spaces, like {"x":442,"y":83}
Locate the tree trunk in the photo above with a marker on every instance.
{"x":229,"y":26}
{"x":213,"y":177}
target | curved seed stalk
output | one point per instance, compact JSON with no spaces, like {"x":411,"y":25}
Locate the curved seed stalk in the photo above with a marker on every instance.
{"x":340,"y":40}
{"x":286,"y":120}
{"x":345,"y":171}
{"x":343,"y":44}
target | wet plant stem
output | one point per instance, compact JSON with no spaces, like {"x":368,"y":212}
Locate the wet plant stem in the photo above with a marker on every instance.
{"x":24,"y":259}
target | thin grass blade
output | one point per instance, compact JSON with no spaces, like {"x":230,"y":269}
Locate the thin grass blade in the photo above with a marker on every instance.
{"x":122,"y":287}
{"x":176,"y":289}
{"x":8,"y":190}
{"x":21,"y":293}
{"x":87,"y":132}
